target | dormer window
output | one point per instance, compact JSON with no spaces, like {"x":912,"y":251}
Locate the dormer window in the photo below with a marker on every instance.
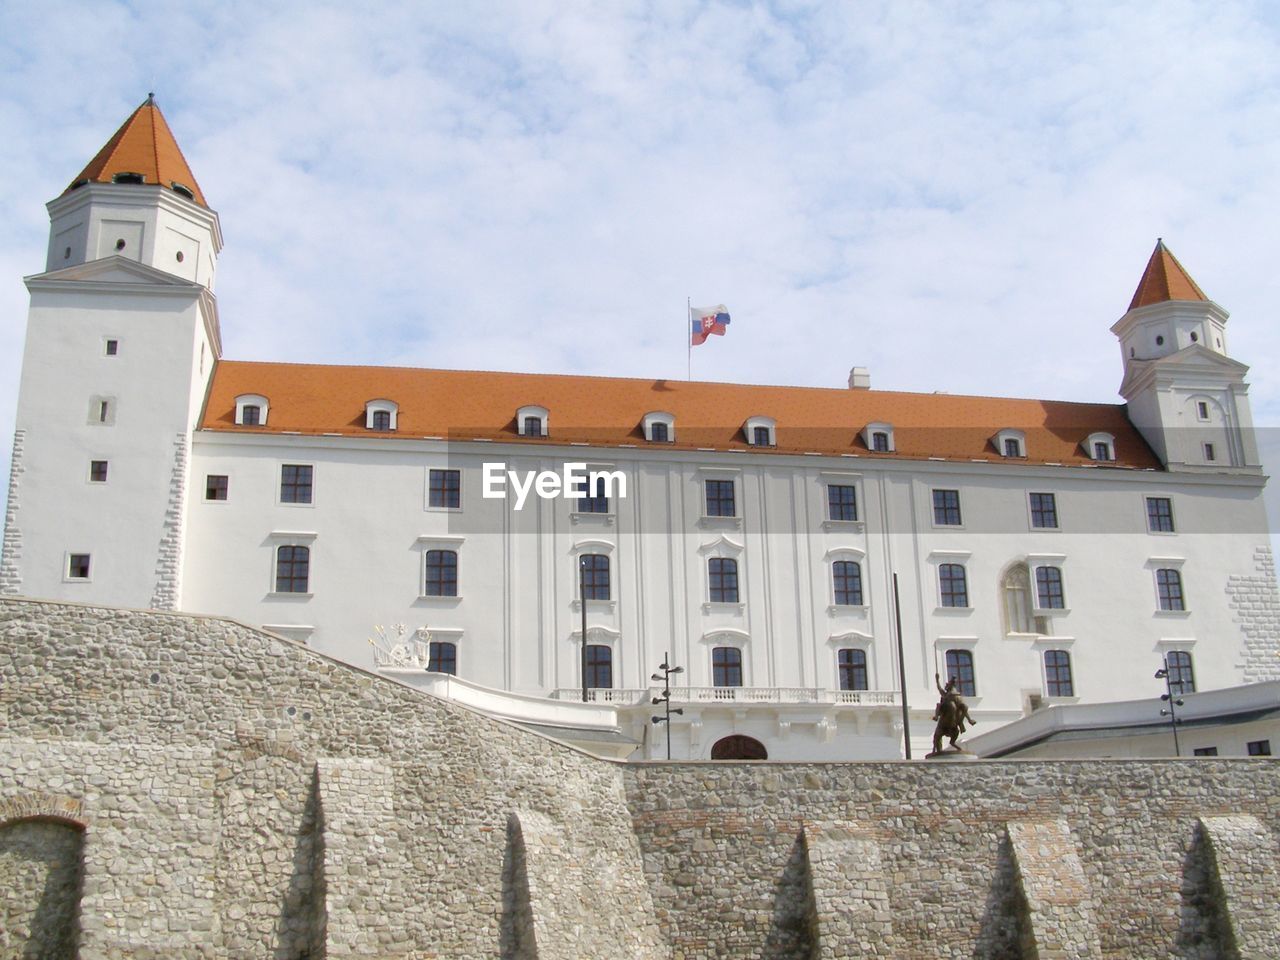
{"x":659,"y":427}
{"x":761,"y":432}
{"x":251,"y":410}
{"x":532,"y":421}
{"x":381,"y":415}
{"x":128,"y":177}
{"x":182,"y":190}
{"x":1100,"y":447}
{"x":879,"y":437}
{"x":1011,"y":443}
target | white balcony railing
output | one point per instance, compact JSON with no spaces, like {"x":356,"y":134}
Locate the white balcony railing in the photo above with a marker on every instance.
{"x":815,"y":695}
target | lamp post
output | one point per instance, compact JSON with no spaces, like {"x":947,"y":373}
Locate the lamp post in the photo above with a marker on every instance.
{"x":1174,"y":702}
{"x":582,"y":596}
{"x":665,"y":677}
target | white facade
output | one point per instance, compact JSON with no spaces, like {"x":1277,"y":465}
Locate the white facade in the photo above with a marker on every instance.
{"x":196,"y":505}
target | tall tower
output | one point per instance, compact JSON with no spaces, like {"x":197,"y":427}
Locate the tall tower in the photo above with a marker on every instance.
{"x":1188,"y":398}
{"x":122,"y":338}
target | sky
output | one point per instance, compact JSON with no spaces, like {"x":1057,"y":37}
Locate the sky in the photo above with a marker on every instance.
{"x":959,"y":196}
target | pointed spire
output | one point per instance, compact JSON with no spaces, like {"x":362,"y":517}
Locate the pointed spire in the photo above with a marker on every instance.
{"x":1164,"y":279}
{"x":143,"y":145}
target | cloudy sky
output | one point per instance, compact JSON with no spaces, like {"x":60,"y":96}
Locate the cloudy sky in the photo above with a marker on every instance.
{"x":960,"y":196}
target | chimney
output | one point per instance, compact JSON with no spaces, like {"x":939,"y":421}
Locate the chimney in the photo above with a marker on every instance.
{"x":859,"y":378}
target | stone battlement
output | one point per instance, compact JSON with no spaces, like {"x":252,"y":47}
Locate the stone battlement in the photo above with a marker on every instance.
{"x":188,"y":787}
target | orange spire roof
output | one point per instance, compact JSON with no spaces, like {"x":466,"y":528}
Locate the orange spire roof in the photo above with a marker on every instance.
{"x":144,"y":144}
{"x":1164,"y":279}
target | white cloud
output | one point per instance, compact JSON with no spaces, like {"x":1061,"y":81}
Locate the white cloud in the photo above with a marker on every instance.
{"x":936,"y":191}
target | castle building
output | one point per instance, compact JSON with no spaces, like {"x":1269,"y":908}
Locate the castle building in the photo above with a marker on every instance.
{"x":1043,"y":552}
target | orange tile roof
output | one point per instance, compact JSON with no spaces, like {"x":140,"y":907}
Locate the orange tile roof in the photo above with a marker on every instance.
{"x":1164,"y":279}
{"x":604,"y":411}
{"x":144,"y":144}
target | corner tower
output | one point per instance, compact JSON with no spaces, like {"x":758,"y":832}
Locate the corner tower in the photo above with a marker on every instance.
{"x":1186,"y":395}
{"x":122,"y":338}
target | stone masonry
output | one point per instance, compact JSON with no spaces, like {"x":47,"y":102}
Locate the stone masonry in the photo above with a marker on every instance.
{"x":1256,"y":605}
{"x":185,"y":787}
{"x":11,"y":549}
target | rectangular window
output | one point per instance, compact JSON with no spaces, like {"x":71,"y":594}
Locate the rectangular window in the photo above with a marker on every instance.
{"x":251,"y":415}
{"x":594,"y":571}
{"x":588,"y":503}
{"x":1101,"y":450}
{"x":880,"y":441}
{"x":104,"y":410}
{"x":1057,"y":674}
{"x":658,"y":433}
{"x":1044,"y":511}
{"x":847,"y":575}
{"x":215,"y":486}
{"x":98,"y":471}
{"x":1012,"y":448}
{"x":444,"y":489}
{"x":760,"y":437}
{"x":1205,"y":751}
{"x":1259,"y":748}
{"x":946,"y":508}
{"x":78,"y":566}
{"x":1169,"y":588}
{"x":960,"y":669}
{"x":954,"y":587}
{"x":442,"y":574}
{"x":853,"y":669}
{"x":1181,"y":678}
{"x":295,"y":483}
{"x":293,"y":569}
{"x":720,"y":501}
{"x":1202,"y":410}
{"x":113,"y":347}
{"x":1049,"y":594}
{"x":533,"y":427}
{"x":722,"y":574}
{"x":599,"y":666}
{"x":842,"y":502}
{"x":1209,"y":453}
{"x":1159,"y":514}
{"x":442,"y":657}
{"x":726,"y":667}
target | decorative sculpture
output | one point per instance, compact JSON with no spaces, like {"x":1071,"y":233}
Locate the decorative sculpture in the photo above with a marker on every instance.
{"x":951,"y":715}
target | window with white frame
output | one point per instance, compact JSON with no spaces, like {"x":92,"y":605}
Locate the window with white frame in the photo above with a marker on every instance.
{"x":1019,"y":615}
{"x":1169,"y":589}
{"x":599,"y":666}
{"x":1057,"y":674}
{"x":1011,"y":443}
{"x":1049,"y":592}
{"x":593,"y":576}
{"x":720,"y":499}
{"x":1100,"y":447}
{"x":760,"y":431}
{"x":878,"y":437}
{"x":722,"y":579}
{"x":381,"y":415}
{"x":659,"y":427}
{"x":1160,"y":515}
{"x":293,"y":568}
{"x":851,"y":664}
{"x":842,"y":501}
{"x":78,"y":566}
{"x":946,"y":508}
{"x":444,"y":489}
{"x":441,"y":574}
{"x":1044,"y":511}
{"x":726,"y":667}
{"x":442,"y":657}
{"x":953,"y":586}
{"x":251,"y":410}
{"x":846,"y":579}
{"x":1182,"y":677}
{"x":533,"y":421}
{"x":960,"y":669}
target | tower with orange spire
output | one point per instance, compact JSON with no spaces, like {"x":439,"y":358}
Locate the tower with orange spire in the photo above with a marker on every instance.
{"x":1186,"y":395}
{"x":122,"y":340}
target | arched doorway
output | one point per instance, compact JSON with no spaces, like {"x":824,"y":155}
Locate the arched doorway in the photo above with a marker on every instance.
{"x":739,"y":747}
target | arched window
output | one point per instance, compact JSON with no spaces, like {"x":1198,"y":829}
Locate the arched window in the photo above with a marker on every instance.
{"x":251,"y":415}
{"x":251,"y":410}
{"x":1016,"y":588}
{"x":880,"y":441}
{"x":1049,"y":595}
{"x":442,"y":574}
{"x":738,"y":747}
{"x":960,"y":668}
{"x":853,"y":669}
{"x":1169,"y":585}
{"x":599,"y":666}
{"x":726,"y":667}
{"x":380,"y":420}
{"x":1181,"y":677}
{"x":847,"y":576}
{"x":442,"y":657}
{"x":659,"y":433}
{"x":722,"y":577}
{"x":954,"y":587}
{"x":293,"y":569}
{"x":1057,"y":674}
{"x":594,"y":571}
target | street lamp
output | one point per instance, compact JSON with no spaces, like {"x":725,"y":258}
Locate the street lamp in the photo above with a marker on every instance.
{"x":582,"y":597}
{"x":665,"y":676}
{"x":1174,"y":702}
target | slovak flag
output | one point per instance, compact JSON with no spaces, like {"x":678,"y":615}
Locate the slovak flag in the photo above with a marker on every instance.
{"x":704,"y":321}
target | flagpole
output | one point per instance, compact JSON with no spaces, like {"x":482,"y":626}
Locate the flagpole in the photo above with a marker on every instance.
{"x":688,"y":337}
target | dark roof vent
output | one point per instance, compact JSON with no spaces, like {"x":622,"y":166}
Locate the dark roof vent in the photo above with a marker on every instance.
{"x":126,"y":177}
{"x":78,"y":184}
{"x":182,"y":190}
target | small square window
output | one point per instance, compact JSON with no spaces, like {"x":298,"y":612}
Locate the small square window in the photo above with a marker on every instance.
{"x":295,"y":483}
{"x":658,"y":433}
{"x":215,"y":486}
{"x":1012,"y":448}
{"x":1102,"y":450}
{"x":113,"y":347}
{"x":250,"y":415}
{"x":1044,"y":511}
{"x":760,"y":437}
{"x":842,"y":502}
{"x":1205,"y":751}
{"x":1160,"y":515}
{"x":720,"y":499}
{"x":946,"y":508}
{"x":1259,"y":748}
{"x":444,"y":489}
{"x":880,"y":441}
{"x":381,"y":420}
{"x":78,"y":566}
{"x":98,"y":471}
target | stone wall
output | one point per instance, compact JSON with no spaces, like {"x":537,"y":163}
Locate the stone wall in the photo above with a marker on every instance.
{"x":1255,"y":604}
{"x":187,"y":787}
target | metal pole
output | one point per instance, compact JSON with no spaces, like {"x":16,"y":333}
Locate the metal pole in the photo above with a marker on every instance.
{"x":688,"y":341}
{"x":582,"y":596}
{"x":666,"y":692}
{"x":902,"y":670}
